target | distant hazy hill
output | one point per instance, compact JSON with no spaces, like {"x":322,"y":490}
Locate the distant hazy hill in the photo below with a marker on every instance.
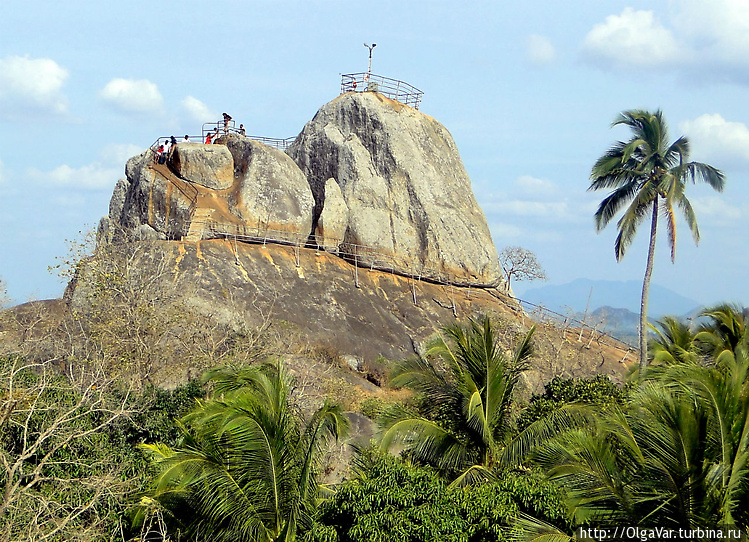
{"x":617,"y":294}
{"x":619,"y":323}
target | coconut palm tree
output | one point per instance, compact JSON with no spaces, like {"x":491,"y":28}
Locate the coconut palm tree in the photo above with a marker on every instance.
{"x":647,"y":175}
{"x":676,"y":455}
{"x":673,"y":342}
{"x":246,"y":466}
{"x":724,"y":332}
{"x":467,"y":384}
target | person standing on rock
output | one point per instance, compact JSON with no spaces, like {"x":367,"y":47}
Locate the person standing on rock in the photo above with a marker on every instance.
{"x":208,"y":138}
{"x":159,"y":154}
{"x":242,"y":131}
{"x":187,"y":139}
{"x":227,"y":119}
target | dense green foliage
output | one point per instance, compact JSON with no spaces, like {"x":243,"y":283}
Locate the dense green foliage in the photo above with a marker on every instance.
{"x":467,"y":384}
{"x":676,"y":453}
{"x":647,"y":175}
{"x":670,"y":449}
{"x":600,"y":392}
{"x":69,"y":450}
{"x":245,"y":467}
{"x":390,"y":501}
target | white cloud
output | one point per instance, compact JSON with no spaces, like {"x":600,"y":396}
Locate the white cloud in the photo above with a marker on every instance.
{"x":714,"y":139}
{"x":717,"y":30}
{"x":505,"y":231}
{"x":31,"y":85}
{"x":118,"y":154}
{"x":198,"y":111}
{"x":539,"y":50}
{"x":131,"y":96}
{"x":538,"y":187}
{"x":715,"y":207}
{"x":91,"y":177}
{"x":631,"y":39}
{"x":555,"y":209}
{"x":99,"y":175}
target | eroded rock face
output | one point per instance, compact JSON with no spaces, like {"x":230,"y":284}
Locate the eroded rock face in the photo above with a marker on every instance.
{"x":270,"y":188}
{"x":317,"y":295}
{"x":238,"y":186}
{"x":146,"y":198}
{"x":211,"y":166}
{"x":333,"y":221}
{"x":401,"y":176}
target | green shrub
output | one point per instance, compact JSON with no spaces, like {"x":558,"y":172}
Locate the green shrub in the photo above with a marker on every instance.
{"x":599,"y":391}
{"x":391,"y":501}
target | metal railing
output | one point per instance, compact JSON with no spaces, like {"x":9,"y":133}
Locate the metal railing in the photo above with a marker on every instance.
{"x":277,"y":143}
{"x":360,"y":255}
{"x":392,"y":88}
{"x":366,"y":257}
{"x":582,"y":331}
{"x":185,"y":187}
{"x":280,"y":144}
{"x":223,"y":128}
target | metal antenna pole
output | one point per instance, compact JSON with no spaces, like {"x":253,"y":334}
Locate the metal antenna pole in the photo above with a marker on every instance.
{"x":370,"y":47}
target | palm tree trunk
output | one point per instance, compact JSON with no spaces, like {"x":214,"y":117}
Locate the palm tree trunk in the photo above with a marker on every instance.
{"x":645,"y":290}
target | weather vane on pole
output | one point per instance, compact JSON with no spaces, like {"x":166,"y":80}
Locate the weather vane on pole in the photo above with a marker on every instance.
{"x":370,"y":47}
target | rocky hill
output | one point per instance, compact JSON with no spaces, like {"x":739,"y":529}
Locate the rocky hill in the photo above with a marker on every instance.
{"x":368,"y":176}
{"x":364,"y":239}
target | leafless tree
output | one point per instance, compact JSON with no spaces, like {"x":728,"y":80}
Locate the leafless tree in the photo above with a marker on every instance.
{"x":49,"y":493}
{"x":521,"y":264}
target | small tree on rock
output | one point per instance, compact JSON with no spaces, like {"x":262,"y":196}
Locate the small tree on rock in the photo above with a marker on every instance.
{"x":520,"y":263}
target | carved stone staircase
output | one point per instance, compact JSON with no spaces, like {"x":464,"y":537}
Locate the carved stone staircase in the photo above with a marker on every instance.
{"x":200,"y":218}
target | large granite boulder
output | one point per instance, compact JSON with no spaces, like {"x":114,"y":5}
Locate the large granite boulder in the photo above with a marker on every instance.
{"x":236,"y":186}
{"x":333,"y":220}
{"x":408,"y":194}
{"x":270,"y":189}
{"x":211,"y":166}
{"x":146,"y":204}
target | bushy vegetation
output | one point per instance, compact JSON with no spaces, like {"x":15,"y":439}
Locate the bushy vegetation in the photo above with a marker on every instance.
{"x":599,"y":391}
{"x":670,"y":448}
{"x":68,"y":449}
{"x":394,"y":502}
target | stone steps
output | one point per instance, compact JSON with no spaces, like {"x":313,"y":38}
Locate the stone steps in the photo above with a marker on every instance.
{"x":197,"y":224}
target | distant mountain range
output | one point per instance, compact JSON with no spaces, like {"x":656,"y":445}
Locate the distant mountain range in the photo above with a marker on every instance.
{"x":614,"y":306}
{"x":573,"y":296}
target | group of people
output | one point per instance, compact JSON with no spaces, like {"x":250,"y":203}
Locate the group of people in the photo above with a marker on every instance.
{"x":211,"y":137}
{"x":163,"y":151}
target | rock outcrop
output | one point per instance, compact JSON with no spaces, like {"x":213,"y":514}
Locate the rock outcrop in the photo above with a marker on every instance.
{"x":237,"y":186}
{"x":373,"y":180}
{"x":211,"y":166}
{"x":407,"y":192}
{"x":319,"y":299}
{"x":270,"y":189}
{"x":333,"y":219}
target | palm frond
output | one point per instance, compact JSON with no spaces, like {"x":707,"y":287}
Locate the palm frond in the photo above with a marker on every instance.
{"x":614,"y":202}
{"x":473,"y":475}
{"x":689,"y":217}
{"x":699,"y":172}
{"x":426,"y":441}
{"x":530,"y":529}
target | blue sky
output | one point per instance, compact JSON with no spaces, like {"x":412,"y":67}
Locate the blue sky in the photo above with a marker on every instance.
{"x":527,"y":89}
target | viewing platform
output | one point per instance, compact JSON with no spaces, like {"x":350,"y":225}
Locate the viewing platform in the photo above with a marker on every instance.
{"x":391,"y":88}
